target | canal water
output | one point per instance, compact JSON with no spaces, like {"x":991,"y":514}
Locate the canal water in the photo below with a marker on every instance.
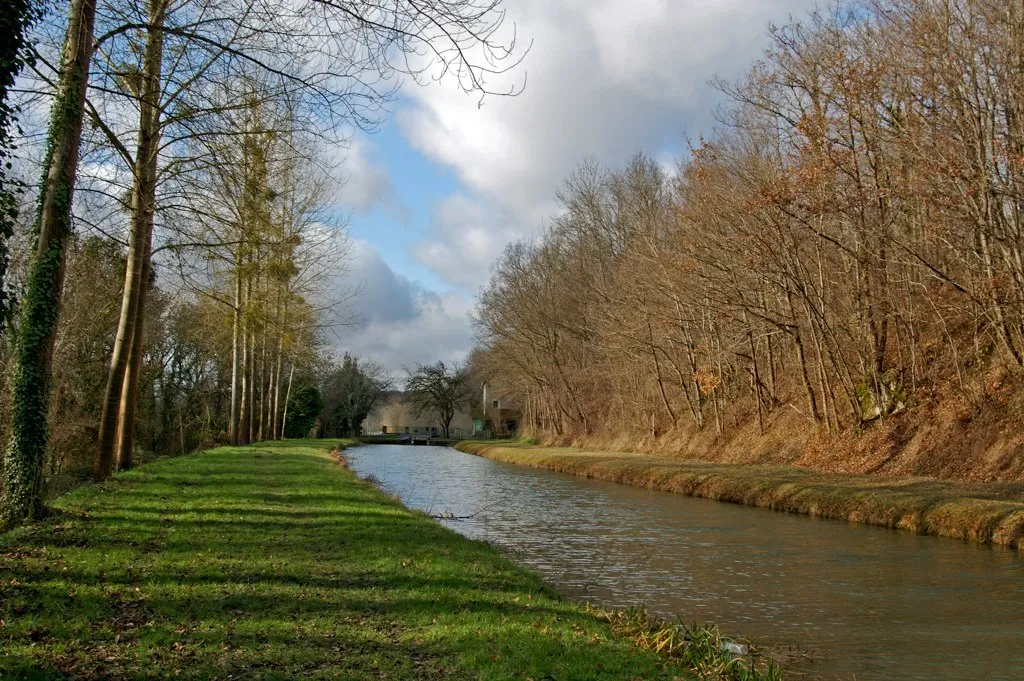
{"x":840,"y":601}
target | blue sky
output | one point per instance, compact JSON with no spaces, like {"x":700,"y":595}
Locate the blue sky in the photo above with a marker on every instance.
{"x":436,"y":194}
{"x":395,"y":222}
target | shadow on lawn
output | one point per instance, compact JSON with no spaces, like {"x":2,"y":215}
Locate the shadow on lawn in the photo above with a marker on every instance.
{"x":252,"y":563}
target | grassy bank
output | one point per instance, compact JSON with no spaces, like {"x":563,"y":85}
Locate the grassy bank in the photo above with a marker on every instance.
{"x":992,"y":513}
{"x":272,"y":562}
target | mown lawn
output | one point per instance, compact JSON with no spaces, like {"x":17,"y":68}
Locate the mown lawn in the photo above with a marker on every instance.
{"x":273,"y":562}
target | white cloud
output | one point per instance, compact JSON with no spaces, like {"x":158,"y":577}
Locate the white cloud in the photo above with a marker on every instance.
{"x":401,"y":323}
{"x":366,"y":182}
{"x":466,"y":236}
{"x":606,"y":78}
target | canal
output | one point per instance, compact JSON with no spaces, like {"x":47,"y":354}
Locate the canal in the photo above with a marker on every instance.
{"x":842,"y":601}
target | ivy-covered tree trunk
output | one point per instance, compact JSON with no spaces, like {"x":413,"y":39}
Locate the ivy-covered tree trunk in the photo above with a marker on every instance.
{"x":117,"y":427}
{"x":23,"y":458}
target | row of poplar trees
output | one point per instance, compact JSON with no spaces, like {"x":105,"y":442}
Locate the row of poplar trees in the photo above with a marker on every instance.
{"x":849,"y":242}
{"x":204,"y":122}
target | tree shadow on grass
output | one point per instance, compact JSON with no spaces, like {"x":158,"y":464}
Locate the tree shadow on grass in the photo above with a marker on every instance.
{"x":278,"y":566}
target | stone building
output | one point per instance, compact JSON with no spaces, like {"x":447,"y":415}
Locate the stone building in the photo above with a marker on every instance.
{"x":500,"y":413}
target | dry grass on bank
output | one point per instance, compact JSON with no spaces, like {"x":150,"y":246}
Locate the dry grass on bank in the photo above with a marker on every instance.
{"x":972,"y":435}
{"x":983,"y":512}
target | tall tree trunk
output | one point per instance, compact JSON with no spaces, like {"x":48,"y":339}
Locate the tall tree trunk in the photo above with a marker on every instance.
{"x":261,"y":431}
{"x":243,"y":425}
{"x":146,"y":167}
{"x":275,"y":372}
{"x":23,"y":459}
{"x":801,"y":358}
{"x":755,"y":374}
{"x":250,"y":390}
{"x":287,"y":396}
{"x":104,"y":461}
{"x":236,"y":355}
{"x":268,"y":401}
{"x":121,"y":385}
{"x":661,"y":390}
{"x":130,"y":389}
{"x":276,"y":431}
{"x":245,"y":419}
{"x":181,"y":431}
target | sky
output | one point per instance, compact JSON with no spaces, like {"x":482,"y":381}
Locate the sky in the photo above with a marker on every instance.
{"x":434,"y":196}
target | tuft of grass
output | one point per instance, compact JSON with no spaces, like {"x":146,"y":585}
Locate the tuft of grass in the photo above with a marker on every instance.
{"x":700,"y":649}
{"x":273,"y":562}
{"x":983,"y":512}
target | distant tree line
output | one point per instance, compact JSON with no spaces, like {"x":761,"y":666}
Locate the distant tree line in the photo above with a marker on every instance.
{"x":849,"y":243}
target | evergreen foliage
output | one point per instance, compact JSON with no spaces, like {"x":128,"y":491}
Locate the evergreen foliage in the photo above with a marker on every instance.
{"x":351,"y":391}
{"x":16,"y":19}
{"x":303,"y":409}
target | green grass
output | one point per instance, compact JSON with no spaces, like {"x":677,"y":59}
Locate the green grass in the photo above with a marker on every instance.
{"x":983,"y":512}
{"x":273,"y":562}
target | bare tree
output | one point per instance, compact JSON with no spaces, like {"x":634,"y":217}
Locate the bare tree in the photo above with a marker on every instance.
{"x":334,"y":63}
{"x":846,"y":244}
{"x":441,"y":389}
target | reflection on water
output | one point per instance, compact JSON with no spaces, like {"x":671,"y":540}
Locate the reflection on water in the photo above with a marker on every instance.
{"x":870,"y":603}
